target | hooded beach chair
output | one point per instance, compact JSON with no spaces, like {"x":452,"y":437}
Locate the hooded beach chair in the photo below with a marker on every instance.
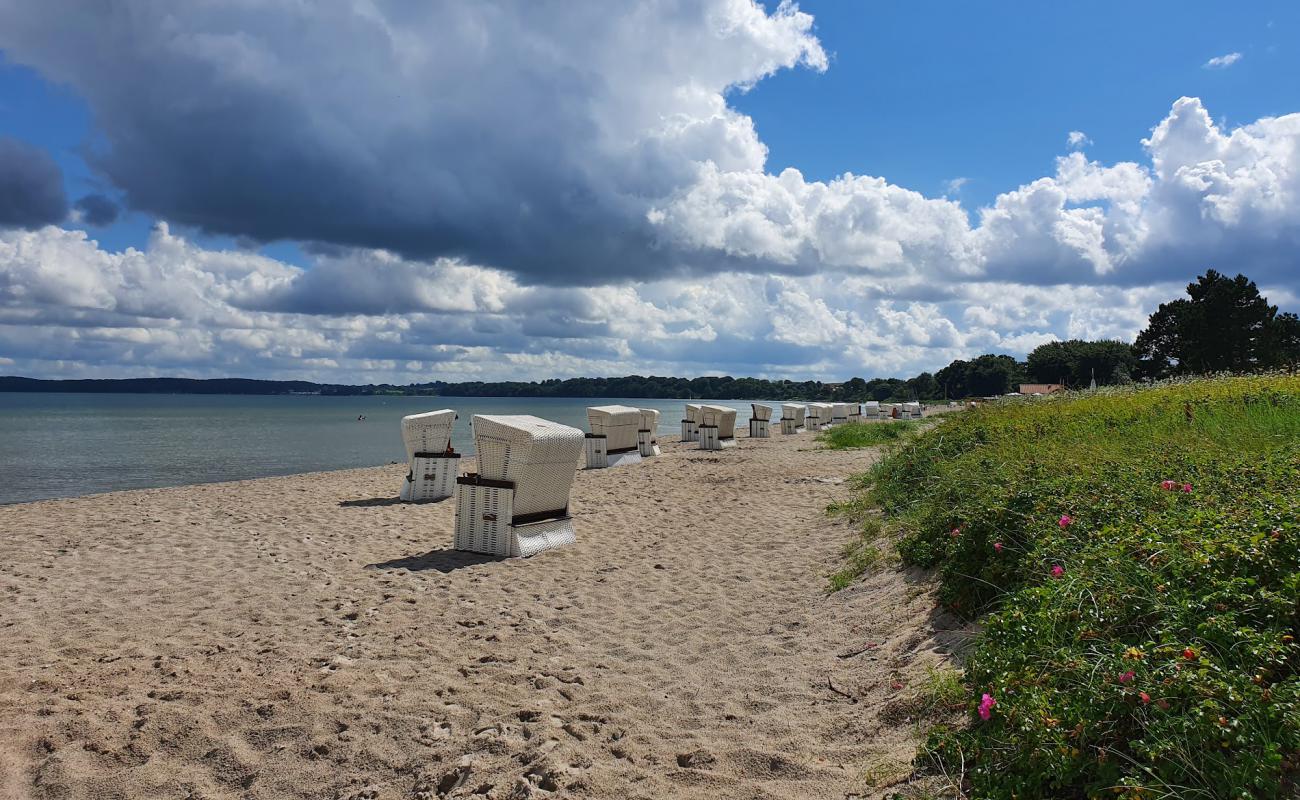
{"x":759,"y":421}
{"x":691,"y":423}
{"x":910,"y":411}
{"x":612,"y":441}
{"x":792,"y":417}
{"x":819,"y":416}
{"x":517,"y":504}
{"x":647,"y":440}
{"x":717,"y":427}
{"x":432,"y":465}
{"x":840,"y":412}
{"x":871,"y":409}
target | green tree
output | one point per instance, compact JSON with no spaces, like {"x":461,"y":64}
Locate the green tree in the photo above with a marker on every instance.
{"x":1076,"y":361}
{"x":1223,"y":325}
{"x":924,"y":387}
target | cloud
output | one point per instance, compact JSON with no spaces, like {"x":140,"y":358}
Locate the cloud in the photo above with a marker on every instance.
{"x":1222,"y":62}
{"x":31,"y":186}
{"x":68,"y":307}
{"x":954,"y":186}
{"x":530,"y":137}
{"x":853,"y":276}
{"x":1077,"y":140}
{"x":96,"y":210}
{"x":505,"y":190}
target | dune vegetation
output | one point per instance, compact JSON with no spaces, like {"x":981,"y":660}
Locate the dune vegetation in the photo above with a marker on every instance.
{"x":853,"y":435}
{"x":1132,"y":557}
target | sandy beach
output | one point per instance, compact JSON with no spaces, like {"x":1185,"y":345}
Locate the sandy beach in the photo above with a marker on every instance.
{"x":310,"y":637}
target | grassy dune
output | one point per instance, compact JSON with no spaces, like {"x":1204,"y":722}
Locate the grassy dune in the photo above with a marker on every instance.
{"x":1134,"y":559}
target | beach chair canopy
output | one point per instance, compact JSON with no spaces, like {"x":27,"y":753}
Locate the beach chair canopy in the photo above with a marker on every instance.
{"x":618,"y":424}
{"x":871,"y":406}
{"x":538,"y":456}
{"x":821,"y":411}
{"x":794,"y":411}
{"x":839,"y":410}
{"x":429,"y":432}
{"x":693,"y":412}
{"x":721,"y":416}
{"x":761,"y":412}
{"x":649,"y":420}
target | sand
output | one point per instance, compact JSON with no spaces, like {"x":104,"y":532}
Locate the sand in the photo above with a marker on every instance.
{"x":310,"y":637}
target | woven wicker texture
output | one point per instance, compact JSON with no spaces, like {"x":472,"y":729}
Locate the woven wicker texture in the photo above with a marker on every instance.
{"x":539,"y":456}
{"x":483,"y":520}
{"x":871,"y":409}
{"x":722,"y":417}
{"x":429,"y":432}
{"x":483,"y":525}
{"x":693,"y":413}
{"x":820,"y":413}
{"x":760,"y":411}
{"x":650,"y":421}
{"x":794,"y":411}
{"x":840,"y":411}
{"x":618,"y":424}
{"x":430,"y":479}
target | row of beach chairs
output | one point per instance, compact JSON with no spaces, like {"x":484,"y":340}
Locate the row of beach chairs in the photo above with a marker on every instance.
{"x":517,"y":503}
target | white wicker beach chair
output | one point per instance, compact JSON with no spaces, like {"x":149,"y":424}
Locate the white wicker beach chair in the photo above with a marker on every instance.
{"x":612,"y":441}
{"x":518,"y":502}
{"x":432,"y":464}
{"x":840,"y":412}
{"x":759,"y":421}
{"x":819,"y":416}
{"x":691,"y":423}
{"x":647,"y":440}
{"x":871,"y":409}
{"x":717,"y":427}
{"x":792,"y":417}
{"x":913,"y":410}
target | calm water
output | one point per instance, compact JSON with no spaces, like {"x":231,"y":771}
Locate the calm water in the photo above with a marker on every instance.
{"x":61,"y":445}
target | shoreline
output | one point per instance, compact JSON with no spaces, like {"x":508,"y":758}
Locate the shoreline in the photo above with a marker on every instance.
{"x":307,"y":636}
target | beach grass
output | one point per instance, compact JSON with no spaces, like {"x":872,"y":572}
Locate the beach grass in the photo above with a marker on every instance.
{"x":1133,"y":559}
{"x":852,"y":435}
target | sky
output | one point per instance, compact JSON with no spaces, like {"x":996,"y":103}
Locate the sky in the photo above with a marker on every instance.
{"x":383,"y":191}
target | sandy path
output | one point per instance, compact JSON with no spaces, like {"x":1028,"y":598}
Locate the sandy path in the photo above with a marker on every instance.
{"x":307,"y":637}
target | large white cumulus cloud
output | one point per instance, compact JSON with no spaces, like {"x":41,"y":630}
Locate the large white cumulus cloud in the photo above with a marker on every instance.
{"x":527,"y":189}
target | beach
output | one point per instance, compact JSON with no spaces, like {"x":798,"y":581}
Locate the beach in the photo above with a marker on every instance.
{"x":309,"y":637}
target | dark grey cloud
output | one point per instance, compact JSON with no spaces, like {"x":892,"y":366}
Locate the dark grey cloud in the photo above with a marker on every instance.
{"x":31,"y":186}
{"x":530,"y":137}
{"x":97,"y":210}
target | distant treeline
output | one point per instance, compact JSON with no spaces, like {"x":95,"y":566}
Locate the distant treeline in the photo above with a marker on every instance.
{"x":629,"y":386}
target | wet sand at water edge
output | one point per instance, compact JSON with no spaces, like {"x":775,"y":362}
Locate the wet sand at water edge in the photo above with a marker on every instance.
{"x":310,"y":637}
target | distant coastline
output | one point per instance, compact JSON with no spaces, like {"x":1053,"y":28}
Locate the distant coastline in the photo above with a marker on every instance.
{"x":628,"y":386}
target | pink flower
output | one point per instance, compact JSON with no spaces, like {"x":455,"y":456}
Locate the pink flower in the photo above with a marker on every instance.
{"x":997,"y":546}
{"x":1126,"y":677}
{"x":1146,"y":698}
{"x":955,"y":533}
{"x":1168,"y":486}
{"x":986,"y":706}
{"x":1187,"y":488}
{"x":1065,"y":520}
{"x":1057,"y":571}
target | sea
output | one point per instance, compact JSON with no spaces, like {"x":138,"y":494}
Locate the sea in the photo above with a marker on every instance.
{"x":64,"y":445}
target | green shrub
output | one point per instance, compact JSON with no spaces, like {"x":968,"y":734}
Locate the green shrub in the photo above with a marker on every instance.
{"x":852,"y":435}
{"x":1144,"y":646}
